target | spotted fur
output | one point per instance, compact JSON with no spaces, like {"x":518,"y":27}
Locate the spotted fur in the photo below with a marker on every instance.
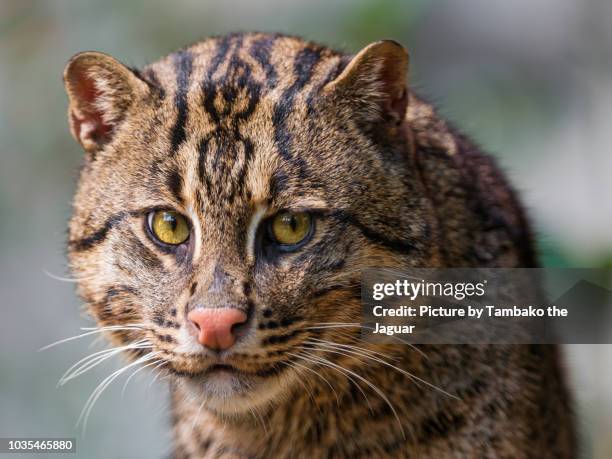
{"x":243,"y":126}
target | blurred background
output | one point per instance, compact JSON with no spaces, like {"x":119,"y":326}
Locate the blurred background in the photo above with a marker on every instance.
{"x":530,"y":80}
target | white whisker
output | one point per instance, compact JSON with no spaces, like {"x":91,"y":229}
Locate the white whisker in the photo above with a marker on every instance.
{"x":320,"y":376}
{"x":257,"y":416}
{"x":92,"y":331}
{"x":303,"y":384}
{"x":326,"y":325}
{"x":371,"y":385}
{"x":116,"y":327}
{"x":349,"y":346}
{"x":138,"y":370}
{"x":158,"y":373}
{"x":65,"y":279}
{"x":197,"y":416}
{"x":104,"y":384}
{"x":93,"y":360}
{"x":308,"y":358}
{"x":330,"y":348}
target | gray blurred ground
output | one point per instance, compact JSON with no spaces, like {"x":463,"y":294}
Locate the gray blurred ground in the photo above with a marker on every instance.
{"x":530,"y":80}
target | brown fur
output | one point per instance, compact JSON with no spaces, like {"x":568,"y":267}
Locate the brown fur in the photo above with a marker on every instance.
{"x":251,"y":124}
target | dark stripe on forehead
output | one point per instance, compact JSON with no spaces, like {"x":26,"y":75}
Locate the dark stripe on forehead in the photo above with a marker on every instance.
{"x":175,"y":184}
{"x":332,"y":73}
{"x":249,"y":148}
{"x":183,"y":63}
{"x":208,"y":87}
{"x":303,"y":67}
{"x":222,"y":48}
{"x":252,"y":90}
{"x":261,"y":50}
{"x":233,"y":84}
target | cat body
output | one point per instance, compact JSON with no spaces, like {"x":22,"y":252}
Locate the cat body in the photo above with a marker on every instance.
{"x":201,"y":166}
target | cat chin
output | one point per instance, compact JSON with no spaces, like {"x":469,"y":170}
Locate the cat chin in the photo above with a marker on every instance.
{"x":230,"y":394}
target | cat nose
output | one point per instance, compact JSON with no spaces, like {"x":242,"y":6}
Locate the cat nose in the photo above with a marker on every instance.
{"x":217,"y":327}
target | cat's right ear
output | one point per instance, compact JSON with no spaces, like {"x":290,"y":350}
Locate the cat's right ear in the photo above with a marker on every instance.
{"x":100,"y":90}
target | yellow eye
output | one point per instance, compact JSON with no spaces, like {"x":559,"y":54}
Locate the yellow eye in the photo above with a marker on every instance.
{"x":289,"y":228}
{"x":169,"y":227}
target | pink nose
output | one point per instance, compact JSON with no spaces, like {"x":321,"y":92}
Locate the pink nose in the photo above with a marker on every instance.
{"x":216,"y":327}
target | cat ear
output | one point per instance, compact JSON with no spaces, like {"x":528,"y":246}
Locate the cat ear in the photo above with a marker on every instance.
{"x":100,"y":90}
{"x":375,"y":81}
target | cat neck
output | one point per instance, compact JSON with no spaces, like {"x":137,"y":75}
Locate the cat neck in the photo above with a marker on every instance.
{"x":314,"y":415}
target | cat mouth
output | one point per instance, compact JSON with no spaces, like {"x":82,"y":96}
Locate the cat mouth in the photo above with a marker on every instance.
{"x":227,"y":369}
{"x":210,"y":370}
{"x":229,"y":388}
{"x":221,"y":368}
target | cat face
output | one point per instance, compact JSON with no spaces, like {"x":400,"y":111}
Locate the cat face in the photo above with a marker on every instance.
{"x":230,"y":197}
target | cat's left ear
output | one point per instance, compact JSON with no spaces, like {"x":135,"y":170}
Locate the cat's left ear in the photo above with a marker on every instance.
{"x":375,"y":82}
{"x":100,"y":91}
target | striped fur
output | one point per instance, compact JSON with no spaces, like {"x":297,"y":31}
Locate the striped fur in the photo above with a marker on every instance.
{"x":246,"y":125}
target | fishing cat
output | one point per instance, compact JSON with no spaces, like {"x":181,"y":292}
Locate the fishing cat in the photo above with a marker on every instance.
{"x":230,"y":196}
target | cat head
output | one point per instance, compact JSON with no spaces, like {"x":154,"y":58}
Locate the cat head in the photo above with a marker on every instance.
{"x":230,"y":197}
